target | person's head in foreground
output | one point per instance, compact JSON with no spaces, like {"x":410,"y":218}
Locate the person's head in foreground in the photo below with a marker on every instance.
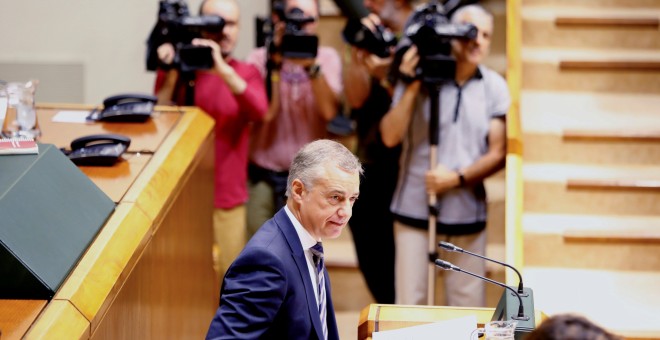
{"x":570,"y":327}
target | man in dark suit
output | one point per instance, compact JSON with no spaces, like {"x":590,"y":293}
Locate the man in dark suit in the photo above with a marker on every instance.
{"x":278,"y":287}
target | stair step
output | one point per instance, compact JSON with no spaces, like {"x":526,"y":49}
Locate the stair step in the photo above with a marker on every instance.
{"x":625,"y":302}
{"x":546,"y":189}
{"x":615,"y":184}
{"x":551,"y":111}
{"x":592,"y":241}
{"x":591,"y":128}
{"x":651,"y":135}
{"x":598,"y":70}
{"x":575,"y":27}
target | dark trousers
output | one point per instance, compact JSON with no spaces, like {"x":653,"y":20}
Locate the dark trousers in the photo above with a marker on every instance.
{"x":373,"y":231}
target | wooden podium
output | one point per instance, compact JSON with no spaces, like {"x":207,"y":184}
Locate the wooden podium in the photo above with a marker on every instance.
{"x":377,"y":317}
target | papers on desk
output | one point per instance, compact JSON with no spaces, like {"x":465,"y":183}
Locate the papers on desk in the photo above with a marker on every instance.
{"x":459,"y":329}
{"x":71,"y":117}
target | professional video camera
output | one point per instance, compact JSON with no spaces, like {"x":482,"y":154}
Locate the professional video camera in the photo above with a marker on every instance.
{"x":296,"y":43}
{"x":431,"y":31}
{"x":176,"y":26}
{"x":379,"y":42}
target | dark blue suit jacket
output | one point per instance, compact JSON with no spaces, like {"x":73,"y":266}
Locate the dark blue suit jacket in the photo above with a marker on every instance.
{"x":267,"y":292}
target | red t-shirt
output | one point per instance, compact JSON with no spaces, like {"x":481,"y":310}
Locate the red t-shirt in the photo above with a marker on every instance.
{"x":233,"y":116}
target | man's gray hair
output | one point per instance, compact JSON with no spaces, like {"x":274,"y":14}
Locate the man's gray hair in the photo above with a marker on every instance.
{"x":309,"y":162}
{"x":471,"y":9}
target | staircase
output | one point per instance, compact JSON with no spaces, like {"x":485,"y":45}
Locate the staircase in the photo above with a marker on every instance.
{"x":590,"y":112}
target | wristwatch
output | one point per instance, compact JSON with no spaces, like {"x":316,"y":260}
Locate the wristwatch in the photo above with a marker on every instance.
{"x":313,"y":71}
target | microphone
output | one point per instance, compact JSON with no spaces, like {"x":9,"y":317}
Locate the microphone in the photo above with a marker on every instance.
{"x":521,"y":312}
{"x":451,"y":247}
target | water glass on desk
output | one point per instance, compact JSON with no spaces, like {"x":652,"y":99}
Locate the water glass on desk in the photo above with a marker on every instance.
{"x":4,"y":102}
{"x":21,"y":103}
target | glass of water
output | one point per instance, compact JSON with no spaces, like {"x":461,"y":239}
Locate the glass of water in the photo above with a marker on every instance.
{"x":21,"y":101}
{"x":4,"y":103}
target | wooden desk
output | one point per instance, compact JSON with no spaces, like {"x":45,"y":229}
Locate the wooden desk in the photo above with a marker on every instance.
{"x":148,"y":273}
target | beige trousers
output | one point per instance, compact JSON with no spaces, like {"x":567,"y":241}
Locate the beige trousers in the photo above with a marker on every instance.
{"x":411,"y":267}
{"x":229,"y":232}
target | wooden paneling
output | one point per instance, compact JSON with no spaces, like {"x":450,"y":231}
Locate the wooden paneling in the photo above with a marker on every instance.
{"x":173,"y":279}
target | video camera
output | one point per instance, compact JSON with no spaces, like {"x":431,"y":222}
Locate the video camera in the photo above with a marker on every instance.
{"x":296,"y":43}
{"x":176,"y":26}
{"x":431,"y":31}
{"x":379,"y":42}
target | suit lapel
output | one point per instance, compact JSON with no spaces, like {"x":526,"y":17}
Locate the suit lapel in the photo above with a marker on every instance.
{"x":289,"y":232}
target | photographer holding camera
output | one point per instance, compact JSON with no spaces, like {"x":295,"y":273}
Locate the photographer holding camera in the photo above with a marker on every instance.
{"x":472,"y":146}
{"x":232,"y":92}
{"x":305,"y":82}
{"x":368,"y":92}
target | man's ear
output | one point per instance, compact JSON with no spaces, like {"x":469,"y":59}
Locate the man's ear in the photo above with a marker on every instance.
{"x":297,"y":189}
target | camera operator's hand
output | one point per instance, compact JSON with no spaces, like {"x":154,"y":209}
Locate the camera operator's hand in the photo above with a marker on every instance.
{"x":166,"y":53}
{"x":219,"y":63}
{"x":408,"y":67}
{"x":371,"y":21}
{"x":441,"y":180}
{"x":220,"y":66}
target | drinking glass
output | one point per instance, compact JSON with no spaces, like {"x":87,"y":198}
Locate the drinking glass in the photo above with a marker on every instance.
{"x":4,"y":102}
{"x":21,"y":102}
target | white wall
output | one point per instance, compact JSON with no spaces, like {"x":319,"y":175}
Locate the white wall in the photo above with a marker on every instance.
{"x":107,"y":38}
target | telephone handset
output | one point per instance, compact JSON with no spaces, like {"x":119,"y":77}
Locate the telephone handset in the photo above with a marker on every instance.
{"x":98,"y":150}
{"x":128,"y":107}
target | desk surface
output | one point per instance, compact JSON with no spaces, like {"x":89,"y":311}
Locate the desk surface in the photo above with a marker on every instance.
{"x":145,"y":137}
{"x":18,"y":315}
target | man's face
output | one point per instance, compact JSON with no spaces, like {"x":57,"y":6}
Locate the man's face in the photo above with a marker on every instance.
{"x":474,"y":51}
{"x":326,"y":207}
{"x":309,"y":8}
{"x":229,"y":11}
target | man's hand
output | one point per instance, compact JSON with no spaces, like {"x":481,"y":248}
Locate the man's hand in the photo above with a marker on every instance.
{"x":219,"y":63}
{"x":441,"y":180}
{"x":409,"y":62}
{"x":165,"y":53}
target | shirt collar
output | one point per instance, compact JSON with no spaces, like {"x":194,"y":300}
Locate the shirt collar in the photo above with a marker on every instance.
{"x":305,"y":237}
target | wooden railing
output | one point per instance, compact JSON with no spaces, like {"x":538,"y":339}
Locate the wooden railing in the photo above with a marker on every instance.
{"x":514,"y":181}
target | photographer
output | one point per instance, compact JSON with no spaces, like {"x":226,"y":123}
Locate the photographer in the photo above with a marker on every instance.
{"x":232,"y":92}
{"x":472,"y":146}
{"x":305,"y":86}
{"x":368,"y":92}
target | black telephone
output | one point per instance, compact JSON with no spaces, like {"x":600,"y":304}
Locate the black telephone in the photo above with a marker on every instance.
{"x":98,"y":150}
{"x":129,"y":107}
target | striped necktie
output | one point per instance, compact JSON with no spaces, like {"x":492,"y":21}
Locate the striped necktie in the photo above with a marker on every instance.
{"x":317,"y":252}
